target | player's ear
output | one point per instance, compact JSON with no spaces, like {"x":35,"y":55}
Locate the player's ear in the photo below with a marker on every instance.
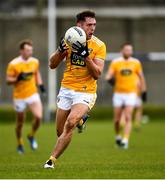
{"x":80,"y":24}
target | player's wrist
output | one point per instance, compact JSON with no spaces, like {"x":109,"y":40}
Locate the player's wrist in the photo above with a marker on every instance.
{"x":62,"y":46}
{"x":144,"y":96}
{"x":60,"y":50}
{"x":80,"y":49}
{"x":111,"y":81}
{"x":42,"y":88}
{"x":87,"y":58}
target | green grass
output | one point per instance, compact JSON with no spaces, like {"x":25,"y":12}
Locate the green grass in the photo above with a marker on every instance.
{"x":90,"y":155}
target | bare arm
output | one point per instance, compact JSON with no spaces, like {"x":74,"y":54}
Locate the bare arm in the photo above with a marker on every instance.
{"x":109,"y":75}
{"x":39,"y":82}
{"x":56,"y":58}
{"x":38,"y":78}
{"x":142,"y":82}
{"x":11,"y":80}
{"x":95,"y":67}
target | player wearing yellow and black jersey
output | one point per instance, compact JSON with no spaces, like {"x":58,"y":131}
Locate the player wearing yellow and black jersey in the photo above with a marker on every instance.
{"x":78,"y":88}
{"x":125,"y":70}
{"x":23,"y":73}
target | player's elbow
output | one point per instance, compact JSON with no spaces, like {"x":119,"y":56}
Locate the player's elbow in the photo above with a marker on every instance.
{"x":51,"y":65}
{"x":97,"y":75}
{"x":8,"y":82}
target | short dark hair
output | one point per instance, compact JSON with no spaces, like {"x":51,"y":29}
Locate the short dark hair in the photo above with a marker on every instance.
{"x":24,"y":42}
{"x":126,"y":44}
{"x":82,"y":15}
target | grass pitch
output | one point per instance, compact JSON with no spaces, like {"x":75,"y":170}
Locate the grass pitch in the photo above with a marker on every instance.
{"x":90,"y":155}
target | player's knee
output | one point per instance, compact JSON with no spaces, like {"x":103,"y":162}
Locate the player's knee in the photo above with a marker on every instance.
{"x":128,"y":117}
{"x":70,"y":124}
{"x":117,"y":119}
{"x":19,"y":125}
{"x":58,"y":132}
{"x":38,"y":116}
{"x":74,"y":117}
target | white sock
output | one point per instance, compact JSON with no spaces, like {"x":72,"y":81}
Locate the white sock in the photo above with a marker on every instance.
{"x":125,"y":141}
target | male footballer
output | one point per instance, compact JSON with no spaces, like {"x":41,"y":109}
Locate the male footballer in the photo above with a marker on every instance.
{"x":78,"y":88}
{"x":126,"y":71}
{"x":23,"y":73}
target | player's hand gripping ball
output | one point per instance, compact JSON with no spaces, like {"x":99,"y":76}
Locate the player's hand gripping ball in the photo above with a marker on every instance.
{"x":73,"y":35}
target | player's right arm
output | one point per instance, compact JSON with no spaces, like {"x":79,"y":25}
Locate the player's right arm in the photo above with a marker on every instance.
{"x":56,"y":58}
{"x":110,"y":75}
{"x":59,"y":55}
{"x":11,"y":80}
{"x":11,"y":75}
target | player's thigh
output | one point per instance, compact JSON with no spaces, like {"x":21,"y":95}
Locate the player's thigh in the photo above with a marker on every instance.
{"x":61,"y":117}
{"x":76,"y":113}
{"x":20,"y":118}
{"x":128,"y":110}
{"x":36,"y":109}
{"x":118,"y":113}
{"x":19,"y":105}
{"x":130,"y":99}
{"x":118,"y":100}
{"x":35,"y":105}
{"x":87,"y":99}
{"x":139,"y":102}
{"x":64,"y":99}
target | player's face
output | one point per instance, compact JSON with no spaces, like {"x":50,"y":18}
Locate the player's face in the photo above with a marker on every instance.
{"x":27,"y":51}
{"x":127,"y":51}
{"x":89,"y":26}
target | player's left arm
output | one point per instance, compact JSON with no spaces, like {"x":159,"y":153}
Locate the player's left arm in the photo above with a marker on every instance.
{"x":39,"y":82}
{"x":95,"y":67}
{"x":143,"y":85}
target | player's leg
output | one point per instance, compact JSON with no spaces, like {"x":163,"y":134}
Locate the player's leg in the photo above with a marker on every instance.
{"x":64,"y":103}
{"x":89,"y":100}
{"x":61,"y":117}
{"x":122,"y":122}
{"x":36,"y":108}
{"x":118,"y":111}
{"x":129,"y":102}
{"x":138,"y":116}
{"x":19,"y":106}
{"x":81,"y":125}
{"x":128,"y":110}
{"x":19,"y":126}
{"x":76,"y":113}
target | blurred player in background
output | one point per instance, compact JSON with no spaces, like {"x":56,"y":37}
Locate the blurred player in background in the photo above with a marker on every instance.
{"x":23,"y":73}
{"x":138,"y":106}
{"x":123,"y":73}
{"x":138,"y":110}
{"x":78,"y":88}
